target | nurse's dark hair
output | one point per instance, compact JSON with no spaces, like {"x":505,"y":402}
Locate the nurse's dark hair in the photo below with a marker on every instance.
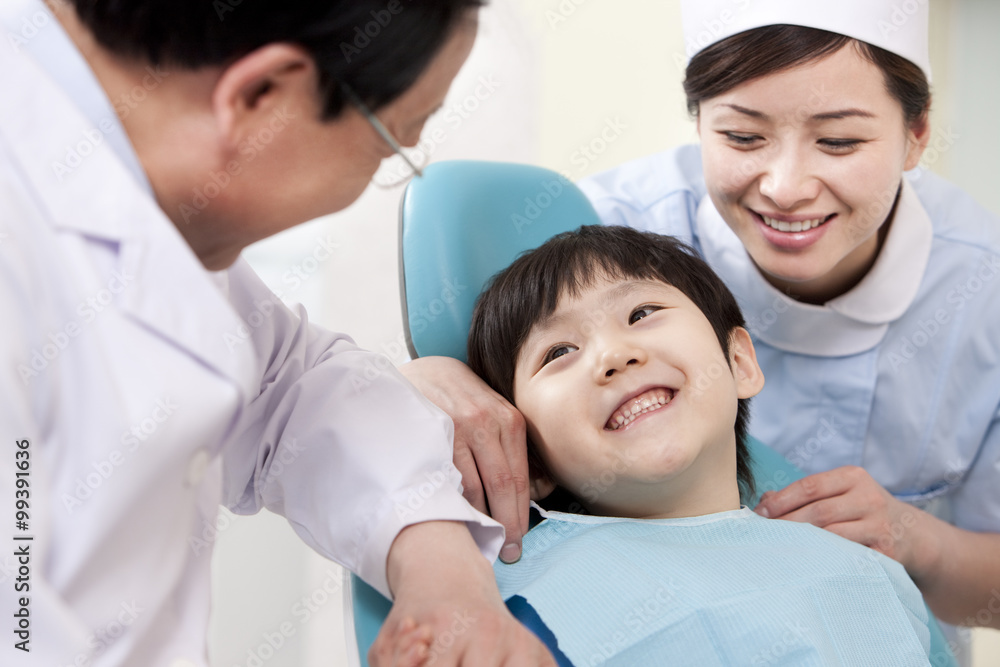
{"x":528,"y":291}
{"x":761,"y":51}
{"x":377,"y":47}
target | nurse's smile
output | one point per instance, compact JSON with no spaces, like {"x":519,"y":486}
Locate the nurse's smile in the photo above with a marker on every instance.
{"x":791,"y":232}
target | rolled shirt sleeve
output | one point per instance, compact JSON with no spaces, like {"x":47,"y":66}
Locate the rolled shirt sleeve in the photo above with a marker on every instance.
{"x":338,"y":442}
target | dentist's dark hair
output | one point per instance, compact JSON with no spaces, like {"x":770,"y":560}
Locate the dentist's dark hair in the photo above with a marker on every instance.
{"x":377,"y":47}
{"x":529,"y":290}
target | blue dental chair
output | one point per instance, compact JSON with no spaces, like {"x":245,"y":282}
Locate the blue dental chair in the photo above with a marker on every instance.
{"x":460,"y":223}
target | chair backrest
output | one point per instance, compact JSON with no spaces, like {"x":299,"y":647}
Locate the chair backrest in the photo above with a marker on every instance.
{"x":461,"y":223}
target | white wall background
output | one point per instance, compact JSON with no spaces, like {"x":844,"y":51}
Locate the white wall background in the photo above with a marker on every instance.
{"x":563,"y":70}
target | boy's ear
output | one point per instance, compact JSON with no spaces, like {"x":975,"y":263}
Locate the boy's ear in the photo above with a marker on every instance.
{"x":540,"y":487}
{"x":749,"y":377}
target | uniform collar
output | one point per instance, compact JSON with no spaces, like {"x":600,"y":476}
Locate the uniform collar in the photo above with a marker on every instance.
{"x":170,"y":292}
{"x":849,"y":324}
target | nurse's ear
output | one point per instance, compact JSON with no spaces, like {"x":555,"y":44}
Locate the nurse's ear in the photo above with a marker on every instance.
{"x":276,"y":78}
{"x":918,"y":136}
{"x":743,"y":361}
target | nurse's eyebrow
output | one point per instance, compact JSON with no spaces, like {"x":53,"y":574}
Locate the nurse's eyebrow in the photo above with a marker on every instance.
{"x":748,"y":112}
{"x":826,"y":115}
{"x":844,"y":113}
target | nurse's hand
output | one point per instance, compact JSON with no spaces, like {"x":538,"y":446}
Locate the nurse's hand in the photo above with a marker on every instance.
{"x":848,"y":502}
{"x":447,"y":609}
{"x":490,"y":446}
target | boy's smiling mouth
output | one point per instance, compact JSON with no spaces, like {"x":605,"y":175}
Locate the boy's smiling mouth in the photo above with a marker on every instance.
{"x":630,"y":409}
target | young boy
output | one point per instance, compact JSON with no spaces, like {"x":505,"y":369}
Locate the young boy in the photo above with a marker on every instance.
{"x":628,"y":358}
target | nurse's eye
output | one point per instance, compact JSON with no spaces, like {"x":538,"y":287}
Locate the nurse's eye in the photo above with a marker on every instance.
{"x":641,"y":312}
{"x":840,"y":145}
{"x":742,"y":139}
{"x":557,"y":351}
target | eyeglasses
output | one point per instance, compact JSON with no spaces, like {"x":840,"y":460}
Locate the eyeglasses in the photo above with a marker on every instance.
{"x":389,"y":175}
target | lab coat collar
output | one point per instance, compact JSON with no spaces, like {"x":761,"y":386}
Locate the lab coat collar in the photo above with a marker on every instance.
{"x":169,"y":291}
{"x":849,"y":324}
{"x":32,"y":29}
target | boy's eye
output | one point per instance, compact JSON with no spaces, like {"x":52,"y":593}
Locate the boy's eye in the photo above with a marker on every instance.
{"x":555,"y":352}
{"x":640,"y":313}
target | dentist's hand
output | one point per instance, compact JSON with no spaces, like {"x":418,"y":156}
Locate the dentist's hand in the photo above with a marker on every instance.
{"x":447,"y":610}
{"x":490,"y":446}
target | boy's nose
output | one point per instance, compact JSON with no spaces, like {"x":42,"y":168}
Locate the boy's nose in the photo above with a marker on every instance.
{"x":615,"y":359}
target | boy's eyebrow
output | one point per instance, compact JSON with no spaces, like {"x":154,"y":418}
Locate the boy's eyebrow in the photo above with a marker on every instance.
{"x":611,"y":298}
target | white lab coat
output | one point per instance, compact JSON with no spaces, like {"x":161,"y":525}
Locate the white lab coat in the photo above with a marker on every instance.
{"x":150,"y":390}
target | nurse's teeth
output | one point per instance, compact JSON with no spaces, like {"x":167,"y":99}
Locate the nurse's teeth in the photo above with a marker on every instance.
{"x":629,"y":411}
{"x":802,"y":226}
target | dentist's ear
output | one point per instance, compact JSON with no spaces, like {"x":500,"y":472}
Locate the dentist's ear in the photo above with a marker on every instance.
{"x":749,"y":377}
{"x":248,"y":91}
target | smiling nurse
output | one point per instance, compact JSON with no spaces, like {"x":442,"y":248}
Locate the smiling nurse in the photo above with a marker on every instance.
{"x":868,"y":292}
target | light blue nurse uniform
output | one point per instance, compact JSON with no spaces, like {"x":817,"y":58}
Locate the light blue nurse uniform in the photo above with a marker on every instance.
{"x":900,"y":375}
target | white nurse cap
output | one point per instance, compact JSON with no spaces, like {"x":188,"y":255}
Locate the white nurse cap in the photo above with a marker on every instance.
{"x":898,"y":26}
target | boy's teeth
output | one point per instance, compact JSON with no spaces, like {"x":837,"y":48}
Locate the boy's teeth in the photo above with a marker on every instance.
{"x":653,"y":399}
{"x":792,"y":226}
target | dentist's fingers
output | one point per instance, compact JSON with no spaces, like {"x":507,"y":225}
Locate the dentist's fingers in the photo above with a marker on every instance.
{"x":501,"y":458}
{"x":490,"y":446}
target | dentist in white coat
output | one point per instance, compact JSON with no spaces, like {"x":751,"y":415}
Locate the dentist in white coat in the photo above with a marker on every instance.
{"x":147,"y":375}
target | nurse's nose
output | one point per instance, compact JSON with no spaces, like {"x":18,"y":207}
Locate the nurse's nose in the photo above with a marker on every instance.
{"x":614,"y":357}
{"x":787,"y":181}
